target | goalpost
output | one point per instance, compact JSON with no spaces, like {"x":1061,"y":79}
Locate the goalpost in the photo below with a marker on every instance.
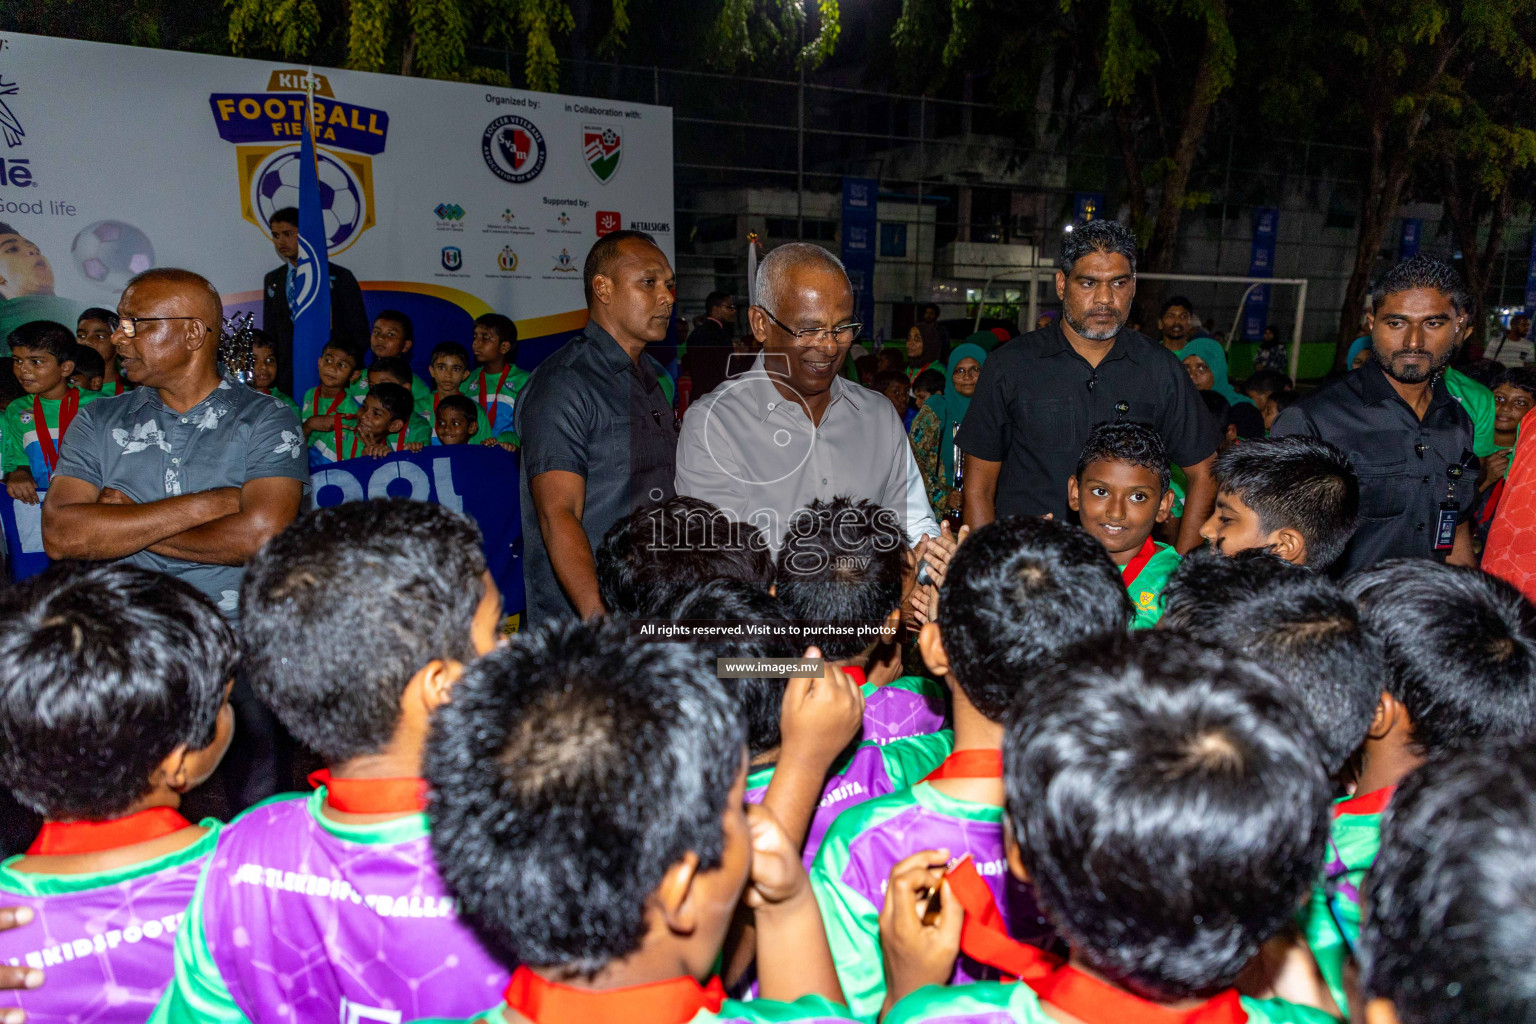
{"x":1035,"y":275}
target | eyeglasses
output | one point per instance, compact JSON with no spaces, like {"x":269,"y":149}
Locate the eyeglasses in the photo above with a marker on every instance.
{"x":811,"y":335}
{"x":129,"y":325}
{"x":967,"y":371}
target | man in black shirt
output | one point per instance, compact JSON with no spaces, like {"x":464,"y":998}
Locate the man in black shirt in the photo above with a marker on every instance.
{"x":711,"y":345}
{"x":1408,"y":438}
{"x":349,"y":319}
{"x":1042,"y":393}
{"x":599,"y":438}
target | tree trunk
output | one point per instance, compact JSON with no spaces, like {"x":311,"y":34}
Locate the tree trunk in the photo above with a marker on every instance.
{"x":1170,"y":207}
{"x":1389,"y":166}
{"x":1125,"y":135}
{"x":1466,"y":215}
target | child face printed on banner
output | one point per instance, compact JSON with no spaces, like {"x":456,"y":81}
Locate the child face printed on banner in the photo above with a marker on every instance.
{"x":448,"y":372}
{"x":24,"y":270}
{"x":453,"y":427}
{"x":264,"y":368}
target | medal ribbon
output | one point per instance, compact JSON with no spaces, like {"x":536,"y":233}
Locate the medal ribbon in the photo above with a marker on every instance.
{"x":371,"y":796}
{"x":665,"y":1002}
{"x":1132,"y":569}
{"x":65,"y":837}
{"x":486,"y":400}
{"x":68,"y":406}
{"x":1369,"y":803}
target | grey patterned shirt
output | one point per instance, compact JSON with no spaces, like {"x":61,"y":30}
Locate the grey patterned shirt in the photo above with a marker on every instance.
{"x":136,"y":444}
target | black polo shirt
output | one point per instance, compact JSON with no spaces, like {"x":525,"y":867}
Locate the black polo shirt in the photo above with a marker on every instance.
{"x":590,"y":409}
{"x":1038,"y":400}
{"x":1401,"y":462}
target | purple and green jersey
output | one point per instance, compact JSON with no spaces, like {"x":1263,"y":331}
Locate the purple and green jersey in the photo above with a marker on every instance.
{"x":854,"y":866}
{"x":909,"y":706}
{"x":106,"y":940}
{"x":996,"y":1003}
{"x":873,"y":769}
{"x":1331,"y":921}
{"x":498,"y":399}
{"x":809,"y":1010}
{"x":300,"y":918}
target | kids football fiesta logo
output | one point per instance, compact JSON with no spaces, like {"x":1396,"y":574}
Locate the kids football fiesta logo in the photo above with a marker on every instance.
{"x":265,"y":128}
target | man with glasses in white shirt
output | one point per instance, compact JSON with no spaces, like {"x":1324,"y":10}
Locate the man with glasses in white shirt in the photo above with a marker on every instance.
{"x":789,"y":430}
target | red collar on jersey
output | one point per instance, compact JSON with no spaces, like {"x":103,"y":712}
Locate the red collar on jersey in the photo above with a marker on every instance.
{"x":664,"y":1002}
{"x":59,"y":838}
{"x":371,"y":796}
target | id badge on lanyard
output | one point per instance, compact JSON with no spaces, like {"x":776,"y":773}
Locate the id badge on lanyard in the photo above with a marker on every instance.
{"x":1450,"y":511}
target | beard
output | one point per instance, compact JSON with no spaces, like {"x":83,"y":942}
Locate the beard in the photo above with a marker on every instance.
{"x":1412,"y":371}
{"x":1079,"y":323}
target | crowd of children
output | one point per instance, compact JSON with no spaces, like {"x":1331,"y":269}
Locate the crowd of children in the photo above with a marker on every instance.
{"x":1090,"y":782}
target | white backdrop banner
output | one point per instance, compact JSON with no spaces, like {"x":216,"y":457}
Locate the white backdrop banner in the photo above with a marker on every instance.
{"x":445,"y":200}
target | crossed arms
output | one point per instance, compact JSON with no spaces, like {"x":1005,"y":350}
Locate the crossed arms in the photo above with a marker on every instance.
{"x":224,"y":526}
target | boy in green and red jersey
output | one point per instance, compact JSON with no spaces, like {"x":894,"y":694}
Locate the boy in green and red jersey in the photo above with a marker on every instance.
{"x":1120,"y":493}
{"x":339,"y":365}
{"x":264,"y":370}
{"x":1168,"y":806}
{"x":392,"y":337}
{"x":588,"y":811}
{"x":449,"y":370}
{"x":385,"y":423}
{"x":35,"y":424}
{"x":94,"y":330}
{"x":495,"y":383}
{"x":114,"y":703}
{"x":1017,"y":592}
{"x":1460,"y":647}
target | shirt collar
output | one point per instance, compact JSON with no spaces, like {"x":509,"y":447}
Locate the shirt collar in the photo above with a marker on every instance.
{"x":1375,"y":388}
{"x":221,"y":398}
{"x":769,"y":398}
{"x":609,"y":352}
{"x":1055,"y":343}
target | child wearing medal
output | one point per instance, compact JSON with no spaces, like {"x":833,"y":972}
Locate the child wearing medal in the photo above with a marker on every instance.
{"x":114,"y":703}
{"x":35,"y":424}
{"x":496,"y":382}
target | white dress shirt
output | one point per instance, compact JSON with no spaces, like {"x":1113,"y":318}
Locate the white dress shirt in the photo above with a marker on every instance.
{"x":759,"y":456}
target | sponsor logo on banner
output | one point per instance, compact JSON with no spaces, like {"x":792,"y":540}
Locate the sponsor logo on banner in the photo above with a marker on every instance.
{"x":564,"y":263}
{"x":453,"y":257}
{"x":608,"y":221}
{"x":449,"y":211}
{"x":564,"y":218}
{"x":653,"y":226}
{"x":10,"y":124}
{"x":265,"y":128}
{"x":513,"y":149}
{"x":507,"y":259}
{"x":602,"y":148}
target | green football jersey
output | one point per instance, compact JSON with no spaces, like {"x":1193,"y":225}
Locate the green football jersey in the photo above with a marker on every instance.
{"x":316,"y":404}
{"x":1331,"y":920}
{"x":1146,"y":589}
{"x":421,"y":395}
{"x":276,"y":393}
{"x":993,"y":1003}
{"x":497,"y":398}
{"x":21,"y":446}
{"x":1478,"y":402}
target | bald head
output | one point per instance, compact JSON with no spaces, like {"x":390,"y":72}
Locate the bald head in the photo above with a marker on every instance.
{"x":776,"y":272}
{"x":193,"y":293}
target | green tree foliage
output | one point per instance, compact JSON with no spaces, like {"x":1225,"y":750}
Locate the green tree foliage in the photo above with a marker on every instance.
{"x":772,"y":32}
{"x":428,"y":38}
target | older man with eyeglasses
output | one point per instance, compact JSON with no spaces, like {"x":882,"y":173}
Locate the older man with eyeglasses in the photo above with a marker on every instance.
{"x":187,"y":474}
{"x":789,"y":430}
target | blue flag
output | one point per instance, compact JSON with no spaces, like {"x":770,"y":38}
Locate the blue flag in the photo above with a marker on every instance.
{"x":309,"y":283}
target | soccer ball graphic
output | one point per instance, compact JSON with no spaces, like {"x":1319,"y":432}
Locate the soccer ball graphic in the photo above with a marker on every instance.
{"x":109,"y":252}
{"x":276,"y":185}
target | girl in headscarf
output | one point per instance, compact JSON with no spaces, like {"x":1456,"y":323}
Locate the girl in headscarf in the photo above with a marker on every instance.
{"x":1206,"y":362}
{"x":925,"y":349}
{"x":1359,"y":352}
{"x":933,"y":432}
